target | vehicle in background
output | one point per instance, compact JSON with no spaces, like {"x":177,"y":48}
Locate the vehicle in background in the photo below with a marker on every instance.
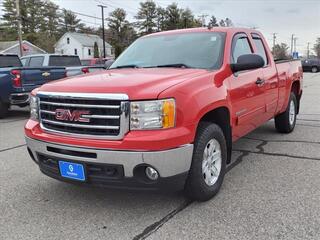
{"x":94,"y":61}
{"x":165,"y":114}
{"x":16,"y":81}
{"x":72,"y":63}
{"x":311,"y":65}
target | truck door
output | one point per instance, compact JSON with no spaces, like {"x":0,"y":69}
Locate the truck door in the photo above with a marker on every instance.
{"x":270,"y":76}
{"x":246,"y":92}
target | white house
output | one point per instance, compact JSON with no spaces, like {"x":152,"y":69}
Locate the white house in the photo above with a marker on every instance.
{"x":81,"y":44}
{"x":12,"y":47}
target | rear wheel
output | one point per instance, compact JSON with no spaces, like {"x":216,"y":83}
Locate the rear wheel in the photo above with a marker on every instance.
{"x":314,"y":69}
{"x":208,"y":163}
{"x":3,"y":109}
{"x":286,"y":121}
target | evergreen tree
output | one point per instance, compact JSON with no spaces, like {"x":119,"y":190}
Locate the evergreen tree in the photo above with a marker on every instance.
{"x":96,"y":50}
{"x":213,"y":21}
{"x":147,"y":16}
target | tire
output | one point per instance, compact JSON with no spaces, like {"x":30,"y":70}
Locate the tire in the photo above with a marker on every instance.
{"x":286,"y":121}
{"x":198,"y":186}
{"x":3,"y":109}
{"x":314,"y":69}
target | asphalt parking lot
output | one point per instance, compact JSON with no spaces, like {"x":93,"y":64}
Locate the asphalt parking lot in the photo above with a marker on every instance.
{"x":271,"y":191}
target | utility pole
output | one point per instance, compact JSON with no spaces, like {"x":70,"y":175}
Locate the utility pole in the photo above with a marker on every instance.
{"x":291,"y":50}
{"x":19,"y":27}
{"x":295,"y":44}
{"x":308,"y":50}
{"x":203,"y":19}
{"x":103,"y":37}
{"x":274,"y":36}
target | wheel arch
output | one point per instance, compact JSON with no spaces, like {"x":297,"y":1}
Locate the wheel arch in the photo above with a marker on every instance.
{"x":221,"y":117}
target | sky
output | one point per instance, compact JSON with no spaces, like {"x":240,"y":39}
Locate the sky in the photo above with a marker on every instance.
{"x":283,"y":17}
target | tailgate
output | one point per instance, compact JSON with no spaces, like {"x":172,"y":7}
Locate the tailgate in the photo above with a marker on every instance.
{"x":39,"y":76}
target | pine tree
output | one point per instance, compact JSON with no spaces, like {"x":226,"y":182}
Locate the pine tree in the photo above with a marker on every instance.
{"x":147,"y":16}
{"x":96,"y":53}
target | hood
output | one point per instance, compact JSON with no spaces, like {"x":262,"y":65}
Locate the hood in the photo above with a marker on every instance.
{"x":136,"y":83}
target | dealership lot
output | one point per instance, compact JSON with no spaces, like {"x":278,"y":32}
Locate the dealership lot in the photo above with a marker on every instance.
{"x":271,"y":191}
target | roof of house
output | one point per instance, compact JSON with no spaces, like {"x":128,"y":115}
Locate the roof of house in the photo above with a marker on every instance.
{"x":88,"y":40}
{"x":10,"y":44}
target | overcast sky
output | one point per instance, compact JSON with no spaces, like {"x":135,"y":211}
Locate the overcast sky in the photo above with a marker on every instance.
{"x":284,"y":17}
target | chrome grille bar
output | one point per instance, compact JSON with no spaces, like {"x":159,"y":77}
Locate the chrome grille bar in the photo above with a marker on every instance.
{"x":80,"y":125}
{"x":80,"y":105}
{"x":86,"y":116}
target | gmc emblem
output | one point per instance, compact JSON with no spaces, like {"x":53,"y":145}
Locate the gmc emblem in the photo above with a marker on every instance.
{"x":74,"y":116}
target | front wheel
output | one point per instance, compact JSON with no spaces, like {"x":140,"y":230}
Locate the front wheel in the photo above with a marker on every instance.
{"x":286,"y":121}
{"x":208,"y":163}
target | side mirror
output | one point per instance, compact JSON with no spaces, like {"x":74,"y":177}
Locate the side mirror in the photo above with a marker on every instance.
{"x":247,"y":62}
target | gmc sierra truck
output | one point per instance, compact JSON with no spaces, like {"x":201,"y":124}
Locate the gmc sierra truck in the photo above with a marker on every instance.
{"x":165,"y":114}
{"x":16,"y":82}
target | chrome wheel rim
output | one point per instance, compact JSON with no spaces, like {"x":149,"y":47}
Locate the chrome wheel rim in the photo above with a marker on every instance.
{"x":211,"y":163}
{"x":292,"y":112}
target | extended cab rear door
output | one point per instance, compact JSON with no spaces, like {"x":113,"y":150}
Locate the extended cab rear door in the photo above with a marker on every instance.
{"x":247,"y":96}
{"x":270,"y":75}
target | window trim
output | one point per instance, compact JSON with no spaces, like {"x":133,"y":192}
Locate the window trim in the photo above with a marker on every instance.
{"x":257,"y":36}
{"x":235,"y":38}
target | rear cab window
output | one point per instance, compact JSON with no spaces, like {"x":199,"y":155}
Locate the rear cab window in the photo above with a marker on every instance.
{"x":240,"y":46}
{"x":66,"y":61}
{"x":9,"y":61}
{"x":36,"y":62}
{"x":261,"y":50}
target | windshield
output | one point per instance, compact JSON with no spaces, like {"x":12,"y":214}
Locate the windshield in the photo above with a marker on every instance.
{"x":10,"y":61}
{"x":192,"y":50}
{"x":67,"y":61}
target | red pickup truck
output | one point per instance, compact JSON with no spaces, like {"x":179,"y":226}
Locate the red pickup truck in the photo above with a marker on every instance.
{"x":165,"y":114}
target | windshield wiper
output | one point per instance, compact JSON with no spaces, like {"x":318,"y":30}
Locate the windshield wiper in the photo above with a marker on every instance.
{"x":126,"y":66}
{"x":173,"y":65}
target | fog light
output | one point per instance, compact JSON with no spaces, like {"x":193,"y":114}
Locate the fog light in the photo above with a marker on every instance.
{"x":152,"y":174}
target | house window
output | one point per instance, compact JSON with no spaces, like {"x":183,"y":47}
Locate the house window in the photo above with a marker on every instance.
{"x":75,"y":51}
{"x":89,"y":52}
{"x":68,"y":40}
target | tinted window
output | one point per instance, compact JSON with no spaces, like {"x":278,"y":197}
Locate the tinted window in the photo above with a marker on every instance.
{"x":196,"y":50}
{"x":36,"y":62}
{"x":241,"y":47}
{"x":24,"y":61}
{"x":261,"y":50}
{"x":66,"y":61}
{"x":10,"y":61}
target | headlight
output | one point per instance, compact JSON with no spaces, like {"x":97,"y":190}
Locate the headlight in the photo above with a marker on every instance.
{"x":34,"y":108}
{"x":158,"y":114}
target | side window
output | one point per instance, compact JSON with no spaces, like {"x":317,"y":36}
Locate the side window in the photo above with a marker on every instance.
{"x":24,"y":61}
{"x":260,"y":49}
{"x":36,"y":62}
{"x":68,"y":40}
{"x":240,"y":47}
{"x":89,"y":51}
{"x":75,"y":51}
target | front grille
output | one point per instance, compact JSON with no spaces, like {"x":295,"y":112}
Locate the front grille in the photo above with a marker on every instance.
{"x":102,"y":115}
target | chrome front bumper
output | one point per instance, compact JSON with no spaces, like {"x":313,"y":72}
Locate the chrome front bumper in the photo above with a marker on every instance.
{"x":168,"y":162}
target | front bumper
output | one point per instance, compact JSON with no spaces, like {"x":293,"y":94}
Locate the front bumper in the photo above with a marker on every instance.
{"x":19,"y":98}
{"x":116,"y":169}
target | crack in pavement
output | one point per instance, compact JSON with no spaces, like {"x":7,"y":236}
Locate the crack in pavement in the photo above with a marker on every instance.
{"x":7,"y":149}
{"x":155,"y":226}
{"x":281,"y":141}
{"x":277,"y":154}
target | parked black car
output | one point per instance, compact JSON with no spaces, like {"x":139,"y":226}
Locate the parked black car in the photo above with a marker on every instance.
{"x":312,"y":65}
